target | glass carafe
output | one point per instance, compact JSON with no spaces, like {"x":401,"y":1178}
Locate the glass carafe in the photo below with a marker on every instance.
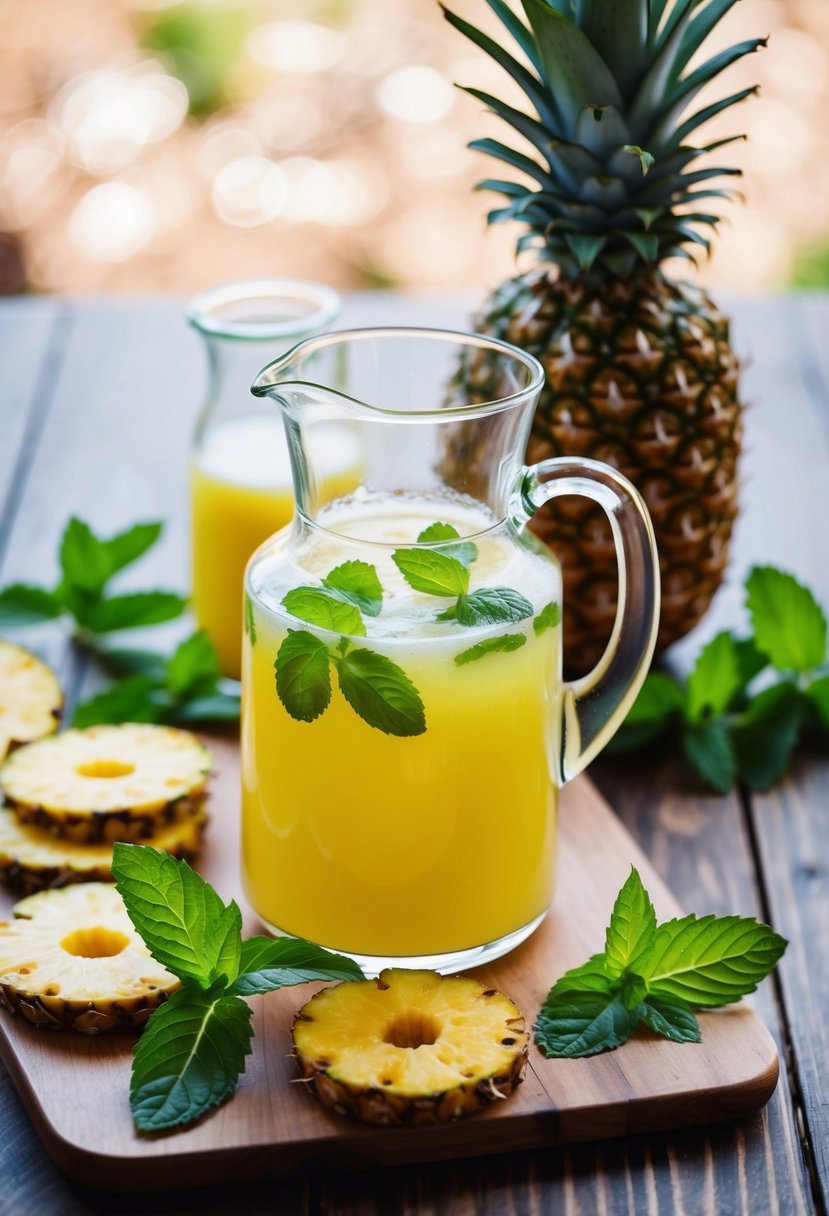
{"x":405,"y":722}
{"x":240,"y":479}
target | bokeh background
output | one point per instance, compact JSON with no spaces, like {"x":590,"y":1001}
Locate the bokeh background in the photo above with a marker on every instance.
{"x":148,"y":146}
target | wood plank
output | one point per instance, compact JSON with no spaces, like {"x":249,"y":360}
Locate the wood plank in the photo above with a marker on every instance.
{"x":76,"y":1088}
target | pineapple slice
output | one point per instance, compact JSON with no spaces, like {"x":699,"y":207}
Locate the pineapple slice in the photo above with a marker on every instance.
{"x":32,"y":859}
{"x":108,"y":783}
{"x":73,"y":960}
{"x":410,"y":1047}
{"x":30,"y":698}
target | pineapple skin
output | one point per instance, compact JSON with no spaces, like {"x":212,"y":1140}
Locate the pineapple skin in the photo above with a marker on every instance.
{"x":402,"y":1105}
{"x":641,"y":375}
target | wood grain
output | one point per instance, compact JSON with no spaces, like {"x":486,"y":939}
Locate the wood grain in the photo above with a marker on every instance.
{"x":76,"y":1089}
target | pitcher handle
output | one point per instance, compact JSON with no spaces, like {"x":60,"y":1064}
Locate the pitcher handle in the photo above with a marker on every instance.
{"x":595,"y":705}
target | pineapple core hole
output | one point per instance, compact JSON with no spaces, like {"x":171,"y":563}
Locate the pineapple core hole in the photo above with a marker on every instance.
{"x":412,"y":1029}
{"x":95,"y":943}
{"x":105,"y":768}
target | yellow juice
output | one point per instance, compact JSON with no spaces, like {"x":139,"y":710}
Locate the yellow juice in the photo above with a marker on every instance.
{"x":240,"y":494}
{"x":380,"y":845}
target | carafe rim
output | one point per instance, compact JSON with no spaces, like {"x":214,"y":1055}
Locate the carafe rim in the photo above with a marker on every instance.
{"x":323,"y":303}
{"x":265,"y":382}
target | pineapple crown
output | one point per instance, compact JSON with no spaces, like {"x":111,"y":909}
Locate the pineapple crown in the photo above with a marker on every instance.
{"x":614,"y":181}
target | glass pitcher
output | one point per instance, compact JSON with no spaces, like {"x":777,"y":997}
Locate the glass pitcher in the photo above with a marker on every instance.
{"x":240,"y":477}
{"x":405,"y":724}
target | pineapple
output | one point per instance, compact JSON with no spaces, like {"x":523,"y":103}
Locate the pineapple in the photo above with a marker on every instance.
{"x":410,"y":1047}
{"x":73,"y":960}
{"x":32,"y":859}
{"x":639,"y":368}
{"x":30,"y":698}
{"x":108,"y":783}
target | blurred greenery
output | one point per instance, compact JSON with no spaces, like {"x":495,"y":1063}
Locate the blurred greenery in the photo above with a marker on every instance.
{"x":810,"y":266}
{"x":199,"y":44}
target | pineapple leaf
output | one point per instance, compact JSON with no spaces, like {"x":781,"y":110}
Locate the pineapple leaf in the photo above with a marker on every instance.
{"x":646,"y":244}
{"x":496,"y":186}
{"x":698,"y":30}
{"x":656,"y":10}
{"x":619,"y":32}
{"x":576,"y":74}
{"x":519,"y":31}
{"x":654,"y":86}
{"x":585,"y":249}
{"x":525,"y":164}
{"x":530,"y":84}
{"x":602,"y":129}
{"x":701,"y":117}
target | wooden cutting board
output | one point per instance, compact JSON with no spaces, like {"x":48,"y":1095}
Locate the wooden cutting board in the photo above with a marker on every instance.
{"x":76,"y":1088}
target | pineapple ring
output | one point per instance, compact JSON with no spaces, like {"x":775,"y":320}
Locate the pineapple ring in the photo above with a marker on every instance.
{"x":108,"y":783}
{"x":74,"y":960}
{"x":30,"y":698}
{"x":410,"y":1047}
{"x":32,"y":859}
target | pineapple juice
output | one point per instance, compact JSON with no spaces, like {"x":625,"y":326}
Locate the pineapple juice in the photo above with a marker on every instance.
{"x":386,"y":846}
{"x":241,"y":492}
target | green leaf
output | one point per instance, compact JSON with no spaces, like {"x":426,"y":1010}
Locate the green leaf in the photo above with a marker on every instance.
{"x":303,"y":681}
{"x":225,"y":942}
{"x":189,"y":1058}
{"x":179,"y":916}
{"x":507,"y":641}
{"x":381,"y":693}
{"x":134,"y":610}
{"x":591,"y":976}
{"x":84,"y":561}
{"x":659,"y":704}
{"x":218,"y":707}
{"x":715,"y":680}
{"x":465,"y":551}
{"x":818,"y":694}
{"x":268,"y":964}
{"x":356,"y":583}
{"x":672,"y":1019}
{"x":709,"y":961}
{"x":250,"y":620}
{"x":632,"y":926}
{"x":632,"y":989}
{"x":789,"y":624}
{"x":646,"y":159}
{"x":493,"y":606}
{"x":575,"y":73}
{"x":432,"y":573}
{"x":548,"y":618}
{"x":129,"y":700}
{"x":21,"y":605}
{"x":750,"y":660}
{"x":764,"y":736}
{"x":582,"y":1024}
{"x":132,"y":661}
{"x":193,"y":667}
{"x":318,"y":608}
{"x":126,"y":547}
{"x":709,"y":749}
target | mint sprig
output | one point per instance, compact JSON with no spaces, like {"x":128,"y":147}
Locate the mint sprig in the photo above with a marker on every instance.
{"x":194,"y":1046}
{"x":88,"y":563}
{"x":748,"y":701}
{"x":504,"y":642}
{"x":654,"y":974}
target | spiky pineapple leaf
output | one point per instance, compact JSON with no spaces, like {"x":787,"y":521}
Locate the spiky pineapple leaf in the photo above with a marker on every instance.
{"x":575,"y":73}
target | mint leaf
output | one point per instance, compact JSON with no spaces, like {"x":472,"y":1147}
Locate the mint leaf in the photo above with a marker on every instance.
{"x":21,"y":605}
{"x":789,"y":624}
{"x":750,"y":660}
{"x":818,"y":694}
{"x":672,"y":1019}
{"x":193,"y":667}
{"x":179,"y":916}
{"x":493,"y":606}
{"x":128,"y":661}
{"x":357,"y":583}
{"x":84,"y":561}
{"x":317,"y":608}
{"x":250,"y":620}
{"x":218,"y":707}
{"x":764,"y":736}
{"x":632,"y":925}
{"x":138,"y":608}
{"x":381,"y":693}
{"x":715,"y":680}
{"x":631,"y":989}
{"x":432,"y":573}
{"x":507,"y":641}
{"x":659,"y":704}
{"x":189,"y":1057}
{"x":709,"y":749}
{"x":709,"y":961}
{"x":582,"y":1024}
{"x":591,"y":976}
{"x":130,"y":700}
{"x":268,"y":963}
{"x":224,"y":944}
{"x":548,"y":618}
{"x":465,"y":552}
{"x":303,"y":681}
{"x":126,"y":547}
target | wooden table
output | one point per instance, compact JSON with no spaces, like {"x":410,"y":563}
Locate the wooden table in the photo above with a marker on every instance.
{"x":97,"y":403}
